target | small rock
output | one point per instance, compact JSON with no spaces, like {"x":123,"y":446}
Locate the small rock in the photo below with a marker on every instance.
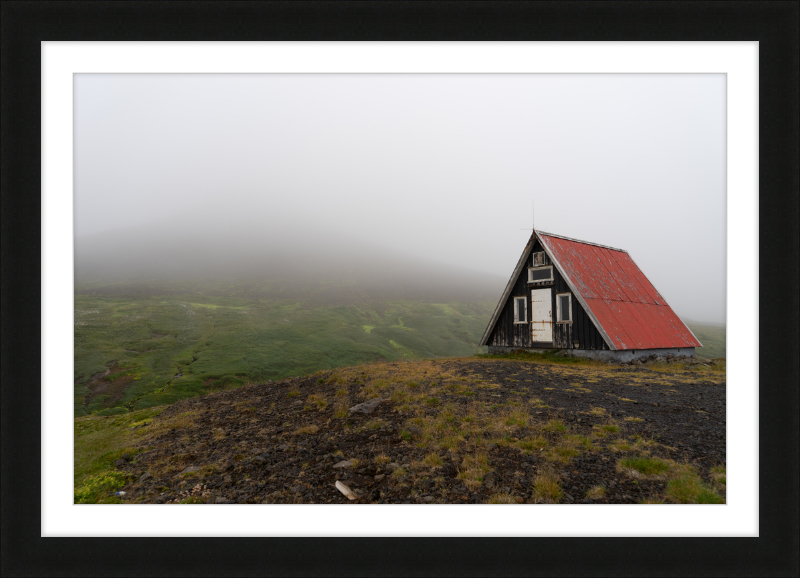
{"x":345,"y":490}
{"x":414,"y":431}
{"x":126,"y":457}
{"x":227,"y":479}
{"x":569,"y":498}
{"x":366,"y":407}
{"x":189,"y":470}
{"x":428,"y":499}
{"x":298,"y":489}
{"x":283,"y":447}
{"x":343,"y":464}
{"x":392,"y":467}
{"x":145,"y":476}
{"x":519,"y":499}
{"x":118,"y":463}
{"x":379,"y":477}
{"x":259,"y":459}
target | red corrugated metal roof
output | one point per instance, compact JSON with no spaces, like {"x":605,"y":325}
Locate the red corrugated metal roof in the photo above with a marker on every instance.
{"x":625,"y":305}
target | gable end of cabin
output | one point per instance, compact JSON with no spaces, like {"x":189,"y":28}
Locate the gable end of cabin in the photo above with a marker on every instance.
{"x":541,"y":311}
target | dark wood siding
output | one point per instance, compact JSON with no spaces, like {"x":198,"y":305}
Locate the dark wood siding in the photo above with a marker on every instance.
{"x":509,"y":334}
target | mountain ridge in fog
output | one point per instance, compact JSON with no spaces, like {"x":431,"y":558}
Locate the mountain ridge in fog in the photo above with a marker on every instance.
{"x":262,"y":259}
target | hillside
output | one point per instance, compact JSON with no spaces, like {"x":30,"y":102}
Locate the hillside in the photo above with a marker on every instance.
{"x":519,"y":429}
{"x":138,"y":353}
{"x":711,"y":335}
{"x":165,"y":313}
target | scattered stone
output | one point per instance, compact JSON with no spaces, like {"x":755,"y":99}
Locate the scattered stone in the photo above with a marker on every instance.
{"x":428,"y":499}
{"x":189,"y":470}
{"x":519,"y":499}
{"x":415,"y":432}
{"x":126,"y":457}
{"x":343,"y":464}
{"x":379,"y":477}
{"x":569,"y":498}
{"x":392,"y":467}
{"x":145,"y":476}
{"x":366,"y":407}
{"x":283,"y":447}
{"x":345,"y":490}
{"x":120,"y":462}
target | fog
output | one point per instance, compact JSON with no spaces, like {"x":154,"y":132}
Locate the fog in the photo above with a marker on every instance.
{"x":409,"y":179}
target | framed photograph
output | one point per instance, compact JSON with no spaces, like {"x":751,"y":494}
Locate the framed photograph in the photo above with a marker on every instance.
{"x":112,"y":48}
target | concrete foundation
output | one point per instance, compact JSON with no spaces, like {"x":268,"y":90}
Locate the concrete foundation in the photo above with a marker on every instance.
{"x":620,"y":356}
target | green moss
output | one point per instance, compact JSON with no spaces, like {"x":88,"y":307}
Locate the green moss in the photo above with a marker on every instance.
{"x":99,"y":489}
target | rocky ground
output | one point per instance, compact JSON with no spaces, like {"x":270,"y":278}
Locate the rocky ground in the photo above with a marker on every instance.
{"x":466,"y":430}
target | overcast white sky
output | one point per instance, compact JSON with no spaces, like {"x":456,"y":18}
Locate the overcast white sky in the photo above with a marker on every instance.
{"x":443,"y":167}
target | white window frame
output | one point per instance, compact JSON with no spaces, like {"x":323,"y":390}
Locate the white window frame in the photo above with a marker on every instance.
{"x":543,"y":259}
{"x":517,"y":301}
{"x":558,"y":307}
{"x":530,"y":275}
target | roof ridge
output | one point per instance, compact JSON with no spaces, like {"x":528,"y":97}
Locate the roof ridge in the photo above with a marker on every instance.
{"x":579,"y":241}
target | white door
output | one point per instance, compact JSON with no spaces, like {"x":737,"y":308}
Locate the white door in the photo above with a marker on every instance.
{"x":542,"y":316}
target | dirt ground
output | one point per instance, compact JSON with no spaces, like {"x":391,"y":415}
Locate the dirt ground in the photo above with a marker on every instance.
{"x":465,"y":430}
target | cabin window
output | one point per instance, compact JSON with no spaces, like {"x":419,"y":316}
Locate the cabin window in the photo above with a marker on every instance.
{"x":520,"y":310}
{"x":536,"y":274}
{"x":538,"y":259}
{"x":564,"y":307}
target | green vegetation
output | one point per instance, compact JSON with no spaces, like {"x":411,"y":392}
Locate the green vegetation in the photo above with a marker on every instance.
{"x":98,"y":442}
{"x":644,"y":466}
{"x":711,"y":336}
{"x":135,"y":353}
{"x":688,"y":488}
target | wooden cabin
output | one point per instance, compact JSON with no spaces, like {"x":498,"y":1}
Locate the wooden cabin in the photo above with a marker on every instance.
{"x":587,"y":298}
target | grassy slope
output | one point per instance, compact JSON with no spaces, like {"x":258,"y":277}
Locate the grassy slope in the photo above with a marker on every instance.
{"x":711,"y":336}
{"x":99,"y":440}
{"x":222,"y":341}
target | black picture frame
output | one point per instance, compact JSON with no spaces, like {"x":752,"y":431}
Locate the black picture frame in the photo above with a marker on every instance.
{"x":774,"y":25}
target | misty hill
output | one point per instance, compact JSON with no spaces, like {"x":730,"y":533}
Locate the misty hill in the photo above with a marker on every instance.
{"x":170,"y":311}
{"x":323,"y":267}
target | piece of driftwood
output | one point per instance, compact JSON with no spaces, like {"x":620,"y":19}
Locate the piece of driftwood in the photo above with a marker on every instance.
{"x":345,"y":490}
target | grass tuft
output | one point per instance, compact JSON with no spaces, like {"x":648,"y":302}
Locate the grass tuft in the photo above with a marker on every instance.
{"x":546,"y":489}
{"x":644,"y":467}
